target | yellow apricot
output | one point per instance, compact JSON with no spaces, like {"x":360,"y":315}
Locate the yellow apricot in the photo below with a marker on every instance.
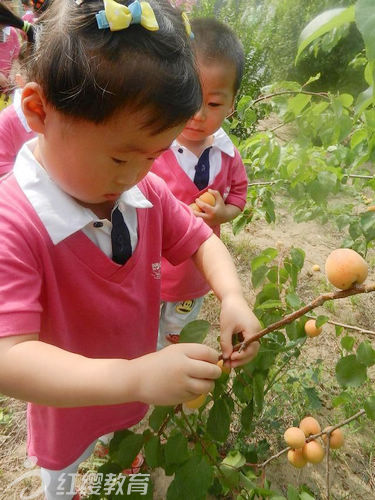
{"x":224,"y":368}
{"x":336,"y":439}
{"x":345,"y":267}
{"x":294,"y":437}
{"x":313,"y":452}
{"x":315,"y":268}
{"x":196,"y":403}
{"x":311,"y":329}
{"x":208,"y":198}
{"x":195,"y":207}
{"x":296,"y":458}
{"x":371,"y":208}
{"x":310,"y":426}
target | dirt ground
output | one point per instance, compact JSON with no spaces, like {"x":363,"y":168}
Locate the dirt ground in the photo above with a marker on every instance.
{"x":352,"y":472}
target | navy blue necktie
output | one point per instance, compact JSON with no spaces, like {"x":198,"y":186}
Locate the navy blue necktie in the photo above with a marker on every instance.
{"x":202,"y":170}
{"x":120,"y":237}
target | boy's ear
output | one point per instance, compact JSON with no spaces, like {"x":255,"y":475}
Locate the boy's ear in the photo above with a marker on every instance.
{"x":34,"y":106}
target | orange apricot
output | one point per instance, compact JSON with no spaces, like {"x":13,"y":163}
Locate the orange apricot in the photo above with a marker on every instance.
{"x":309,"y":425}
{"x":313,"y":452}
{"x":311,"y":329}
{"x":224,"y":368}
{"x":296,"y":458}
{"x":208,"y":198}
{"x":194,"y":206}
{"x":336,"y":439}
{"x":195,"y":403}
{"x":294,"y":437}
{"x":345,"y":267}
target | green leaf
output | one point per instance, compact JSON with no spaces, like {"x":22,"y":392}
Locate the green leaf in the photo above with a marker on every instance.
{"x":297,"y":103}
{"x":306,"y":496}
{"x":350,"y":372}
{"x":176,"y":450}
{"x":270,"y":304}
{"x":365,"y":19}
{"x":258,"y":386}
{"x":366,"y":354}
{"x":364,"y":100}
{"x":323,"y":23}
{"x":195,"y":331}
{"x":158,"y":415}
{"x":219,"y":421}
{"x":367,"y":222}
{"x":369,"y":407}
{"x":153,"y":452}
{"x":234,"y":459}
{"x":313,"y":397}
{"x":298,"y":257}
{"x":191,"y":481}
{"x":346,"y":100}
{"x":264,"y":258}
{"x":247,"y":416}
{"x":321,"y":320}
{"x":293,"y":300}
{"x":258,"y":276}
{"x":292,"y":493}
{"x":358,"y":136}
{"x":127,"y":448}
{"x":347,"y":343}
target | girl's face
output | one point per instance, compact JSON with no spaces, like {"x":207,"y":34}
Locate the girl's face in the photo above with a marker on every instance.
{"x":95,"y":163}
{"x":217,"y":80}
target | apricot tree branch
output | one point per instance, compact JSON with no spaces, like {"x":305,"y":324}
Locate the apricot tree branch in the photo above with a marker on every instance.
{"x":310,"y":438}
{"x":340,"y":294}
{"x":293,"y":92}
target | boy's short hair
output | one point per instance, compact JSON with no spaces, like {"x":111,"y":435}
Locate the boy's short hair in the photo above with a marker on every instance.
{"x":217,"y":41}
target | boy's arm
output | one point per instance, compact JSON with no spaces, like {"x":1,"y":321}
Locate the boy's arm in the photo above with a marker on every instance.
{"x":35,"y":371}
{"x":215,"y":262}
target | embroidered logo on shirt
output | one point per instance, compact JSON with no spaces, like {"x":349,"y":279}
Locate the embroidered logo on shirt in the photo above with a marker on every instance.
{"x":156,"y":270}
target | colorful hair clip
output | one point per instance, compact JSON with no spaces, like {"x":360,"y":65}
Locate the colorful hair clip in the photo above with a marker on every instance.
{"x":186,"y":22}
{"x":116,"y":16}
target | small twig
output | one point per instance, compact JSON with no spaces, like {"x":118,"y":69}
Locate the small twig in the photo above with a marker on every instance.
{"x":300,"y":312}
{"x":164,"y":424}
{"x":294,"y":92}
{"x":355,"y":176}
{"x":350,"y":327}
{"x":328,"y":467}
{"x":262,"y":183}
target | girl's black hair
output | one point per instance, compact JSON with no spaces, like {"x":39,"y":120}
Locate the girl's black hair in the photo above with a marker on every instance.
{"x":7,"y":18}
{"x":90,"y":73}
{"x":218,"y":42}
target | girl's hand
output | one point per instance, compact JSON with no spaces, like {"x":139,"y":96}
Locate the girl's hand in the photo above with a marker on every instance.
{"x":237,"y":317}
{"x":217,"y":214}
{"x":177,"y":373}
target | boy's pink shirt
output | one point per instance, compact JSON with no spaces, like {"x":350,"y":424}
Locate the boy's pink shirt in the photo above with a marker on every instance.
{"x":80,"y":300}
{"x":185,"y":282}
{"x":12,"y":136}
{"x":9,"y":51}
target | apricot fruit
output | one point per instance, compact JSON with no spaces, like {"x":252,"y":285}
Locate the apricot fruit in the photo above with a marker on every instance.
{"x":294,"y":437}
{"x":208,"y":198}
{"x":315,"y":268}
{"x":311,"y":329}
{"x":371,"y":208}
{"x":196,"y":403}
{"x":309,"y":425}
{"x":313,"y":452}
{"x":336,"y":439}
{"x":224,"y":368}
{"x":345,"y":267}
{"x":296,"y":458}
{"x":194,"y":206}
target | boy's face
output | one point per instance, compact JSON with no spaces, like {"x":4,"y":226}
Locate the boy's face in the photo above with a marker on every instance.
{"x":96,"y":163}
{"x":217,"y":80}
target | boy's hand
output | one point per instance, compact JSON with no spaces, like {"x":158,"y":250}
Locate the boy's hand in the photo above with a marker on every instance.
{"x":237,"y":317}
{"x":217,"y":214}
{"x":176,"y":373}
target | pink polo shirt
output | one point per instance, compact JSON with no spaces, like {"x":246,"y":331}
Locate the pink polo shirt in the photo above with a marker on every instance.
{"x":81,"y":301}
{"x":227,"y":175}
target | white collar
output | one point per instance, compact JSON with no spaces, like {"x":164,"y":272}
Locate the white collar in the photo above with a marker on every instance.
{"x":18,"y":109}
{"x":60,"y":213}
{"x":220,"y":140}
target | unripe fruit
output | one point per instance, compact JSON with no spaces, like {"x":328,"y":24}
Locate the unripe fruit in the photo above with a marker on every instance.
{"x":224,"y":368}
{"x":294,"y":437}
{"x":315,"y":268}
{"x":296,"y":458}
{"x":194,"y":206}
{"x":309,"y":425}
{"x":208,"y":198}
{"x":195,"y":403}
{"x":311,"y":329}
{"x":336,"y":439}
{"x":345,"y":267}
{"x":313,"y":452}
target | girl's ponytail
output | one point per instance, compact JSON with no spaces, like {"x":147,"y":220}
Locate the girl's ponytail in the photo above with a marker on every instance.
{"x":7,"y":18}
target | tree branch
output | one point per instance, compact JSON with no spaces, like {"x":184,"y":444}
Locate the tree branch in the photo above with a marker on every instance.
{"x":294,"y":92}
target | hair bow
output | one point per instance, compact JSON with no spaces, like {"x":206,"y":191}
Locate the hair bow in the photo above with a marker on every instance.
{"x":116,"y":16}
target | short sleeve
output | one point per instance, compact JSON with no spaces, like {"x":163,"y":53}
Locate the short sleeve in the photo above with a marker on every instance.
{"x":238,"y":191}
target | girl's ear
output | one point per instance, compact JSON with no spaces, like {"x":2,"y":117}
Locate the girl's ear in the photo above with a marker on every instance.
{"x":34,"y":106}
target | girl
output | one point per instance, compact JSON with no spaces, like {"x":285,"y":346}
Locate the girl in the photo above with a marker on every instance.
{"x":83,"y":229}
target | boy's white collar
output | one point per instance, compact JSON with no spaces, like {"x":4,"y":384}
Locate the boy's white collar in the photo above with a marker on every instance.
{"x":220,"y":140}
